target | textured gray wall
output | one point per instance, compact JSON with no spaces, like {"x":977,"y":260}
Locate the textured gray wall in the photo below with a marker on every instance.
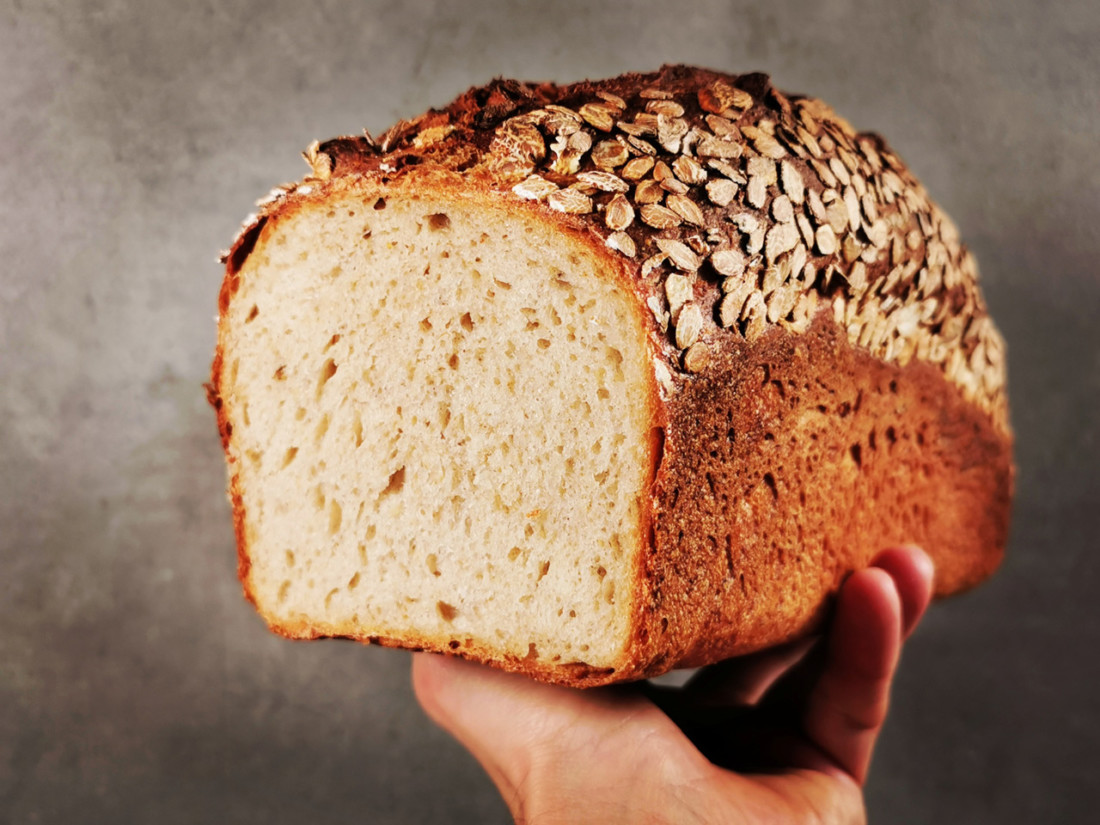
{"x":135,"y":683}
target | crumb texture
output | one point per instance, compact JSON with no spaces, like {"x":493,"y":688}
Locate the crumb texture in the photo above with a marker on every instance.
{"x":439,"y":432}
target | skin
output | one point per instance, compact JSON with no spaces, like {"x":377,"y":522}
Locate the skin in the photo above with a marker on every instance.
{"x":781,"y":736}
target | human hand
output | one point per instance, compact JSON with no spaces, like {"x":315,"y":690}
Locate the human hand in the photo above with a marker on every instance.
{"x":780,"y":736}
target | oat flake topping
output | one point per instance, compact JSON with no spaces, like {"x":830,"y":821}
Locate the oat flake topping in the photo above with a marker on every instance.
{"x":693,"y":174}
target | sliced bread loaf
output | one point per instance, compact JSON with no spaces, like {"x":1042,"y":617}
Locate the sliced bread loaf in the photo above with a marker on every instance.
{"x":595,"y":381}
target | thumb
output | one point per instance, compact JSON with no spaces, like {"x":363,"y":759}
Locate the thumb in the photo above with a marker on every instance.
{"x":537,"y":740}
{"x":498,"y":717}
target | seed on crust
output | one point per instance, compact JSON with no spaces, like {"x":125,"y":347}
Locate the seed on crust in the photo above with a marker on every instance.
{"x":670,"y":131}
{"x":680,"y":254}
{"x":782,"y":210}
{"x":792,"y":182}
{"x":570,"y":201}
{"x":870,"y":211}
{"x":720,"y":96}
{"x":805,"y":228}
{"x":659,"y":217}
{"x":826,"y":240}
{"x":857,"y":277}
{"x":797,"y":259}
{"x":561,"y":121}
{"x":850,"y":248}
{"x":761,"y":176}
{"x":757,"y":192}
{"x":580,"y":141}
{"x":839,"y":170}
{"x":816,"y":207}
{"x":609,"y":154}
{"x":604,"y":181}
{"x":851,"y":203}
{"x":721,"y":191}
{"x":781,"y":302}
{"x":729,"y":309}
{"x":722,"y":127}
{"x":729,"y":262}
{"x":699,"y":244}
{"x":689,"y":171}
{"x":621,"y":242}
{"x":639,"y":127}
{"x":824,"y":173}
{"x":688,"y":325}
{"x":659,"y":314}
{"x":665,"y":107}
{"x":653,"y":93}
{"x":516,"y":148}
{"x":678,"y":292}
{"x":878,"y":234}
{"x":319,"y":162}
{"x":675,"y":185}
{"x":515,"y":137}
{"x":619,"y":213}
{"x":728,"y":170}
{"x":598,"y":115}
{"x":652,"y":263}
{"x":771,"y":281}
{"x":568,"y":153}
{"x":534,"y":188}
{"x":753,"y":230}
{"x":746,"y":222}
{"x":754,"y":314}
{"x":715,"y":147}
{"x":765,"y":144}
{"x":697,"y":357}
{"x":686,"y":208}
{"x":642,"y":146}
{"x":762,"y":168}
{"x":648,"y":192}
{"x":836,"y":214}
{"x":637,"y":168}
{"x":613,"y":100}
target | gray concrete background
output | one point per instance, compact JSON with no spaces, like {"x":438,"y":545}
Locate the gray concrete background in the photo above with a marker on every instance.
{"x":135,"y":683}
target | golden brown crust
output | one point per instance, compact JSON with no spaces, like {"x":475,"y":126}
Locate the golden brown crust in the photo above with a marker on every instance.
{"x":792,"y":462}
{"x":801,"y":285}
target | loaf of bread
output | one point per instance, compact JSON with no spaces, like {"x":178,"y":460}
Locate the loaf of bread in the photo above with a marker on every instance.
{"x":591,"y":382}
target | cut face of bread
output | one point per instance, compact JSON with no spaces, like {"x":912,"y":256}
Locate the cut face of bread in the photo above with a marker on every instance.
{"x":441,"y":428}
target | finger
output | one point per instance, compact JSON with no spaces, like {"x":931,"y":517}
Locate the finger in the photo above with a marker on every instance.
{"x":911,"y":569}
{"x":912,"y":572}
{"x":847,"y":706}
{"x":742,"y":681}
{"x":719,"y":695}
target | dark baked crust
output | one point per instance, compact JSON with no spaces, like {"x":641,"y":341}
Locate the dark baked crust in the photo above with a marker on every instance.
{"x":867,"y":408}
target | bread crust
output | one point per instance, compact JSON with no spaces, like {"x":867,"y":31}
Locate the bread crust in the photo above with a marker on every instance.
{"x":775,"y":427}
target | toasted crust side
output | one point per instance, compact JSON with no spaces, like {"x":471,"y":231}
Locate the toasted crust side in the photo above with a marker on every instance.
{"x":796,"y":265}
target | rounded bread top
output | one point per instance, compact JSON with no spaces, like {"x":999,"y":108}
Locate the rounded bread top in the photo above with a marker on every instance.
{"x":736,"y":207}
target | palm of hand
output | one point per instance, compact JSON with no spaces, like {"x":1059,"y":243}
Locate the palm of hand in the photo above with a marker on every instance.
{"x":782,"y":736}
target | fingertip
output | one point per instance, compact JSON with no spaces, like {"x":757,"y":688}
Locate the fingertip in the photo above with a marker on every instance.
{"x":913,"y":572}
{"x":867,"y":629}
{"x":429,"y":679}
{"x":445,"y":684}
